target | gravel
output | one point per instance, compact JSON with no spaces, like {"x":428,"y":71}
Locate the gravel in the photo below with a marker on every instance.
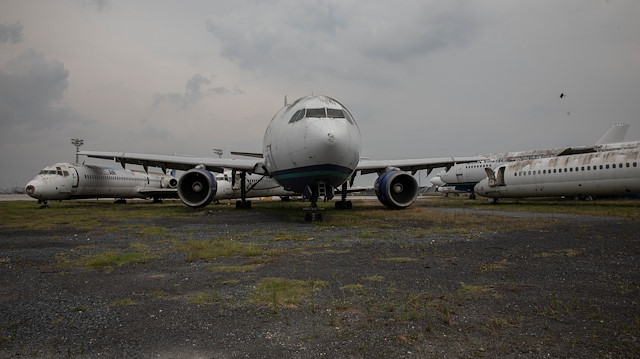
{"x":568,"y":289}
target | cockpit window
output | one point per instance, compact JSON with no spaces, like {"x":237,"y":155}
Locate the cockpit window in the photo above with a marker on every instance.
{"x":319,"y":113}
{"x":335,"y":113}
{"x":316,"y":112}
{"x":50,"y":172}
{"x":297,"y":116}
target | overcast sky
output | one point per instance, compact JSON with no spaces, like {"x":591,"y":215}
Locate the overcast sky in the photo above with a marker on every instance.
{"x":422,"y":78}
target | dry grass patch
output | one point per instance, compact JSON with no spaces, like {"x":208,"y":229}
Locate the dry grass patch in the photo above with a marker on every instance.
{"x":284,"y":293}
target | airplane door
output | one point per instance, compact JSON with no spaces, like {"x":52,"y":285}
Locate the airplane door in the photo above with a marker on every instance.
{"x":75,"y":176}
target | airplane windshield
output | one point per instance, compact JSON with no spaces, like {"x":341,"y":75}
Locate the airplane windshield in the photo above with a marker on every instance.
{"x":316,"y":112}
{"x":320,"y":112}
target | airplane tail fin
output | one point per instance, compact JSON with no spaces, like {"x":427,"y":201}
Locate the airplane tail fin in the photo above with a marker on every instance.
{"x":615,"y":134}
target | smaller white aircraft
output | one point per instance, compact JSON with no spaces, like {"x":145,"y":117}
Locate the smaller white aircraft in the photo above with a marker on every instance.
{"x":610,"y":173}
{"x":63,"y":181}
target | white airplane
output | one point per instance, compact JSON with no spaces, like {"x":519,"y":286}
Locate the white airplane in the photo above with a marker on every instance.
{"x":464,"y":177}
{"x":63,"y":181}
{"x":255,"y":186}
{"x":441,"y":186}
{"x":607,"y":173}
{"x":310,"y":147}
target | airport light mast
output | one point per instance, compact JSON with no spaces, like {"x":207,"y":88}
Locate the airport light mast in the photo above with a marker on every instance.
{"x":77,"y":142}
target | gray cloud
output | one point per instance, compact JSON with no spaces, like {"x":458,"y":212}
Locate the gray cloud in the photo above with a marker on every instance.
{"x":194,"y":92}
{"x":337,"y":38}
{"x":31,"y":91}
{"x":98,"y":4}
{"x":12,"y":32}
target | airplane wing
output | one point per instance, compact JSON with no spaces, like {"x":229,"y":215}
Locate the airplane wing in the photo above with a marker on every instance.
{"x":179,"y":162}
{"x":159,"y":192}
{"x":413,"y":165}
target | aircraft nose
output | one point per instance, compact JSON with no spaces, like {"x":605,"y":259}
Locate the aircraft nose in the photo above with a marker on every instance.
{"x":32,"y":189}
{"x":331,"y":142}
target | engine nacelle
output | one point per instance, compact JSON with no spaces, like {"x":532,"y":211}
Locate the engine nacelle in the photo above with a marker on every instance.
{"x":197,"y":187}
{"x":396,"y":189}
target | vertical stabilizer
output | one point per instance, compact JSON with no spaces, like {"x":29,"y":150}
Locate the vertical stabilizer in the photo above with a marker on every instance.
{"x":615,"y":134}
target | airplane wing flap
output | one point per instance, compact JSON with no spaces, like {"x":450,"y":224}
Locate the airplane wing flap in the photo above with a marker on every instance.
{"x":175,"y":161}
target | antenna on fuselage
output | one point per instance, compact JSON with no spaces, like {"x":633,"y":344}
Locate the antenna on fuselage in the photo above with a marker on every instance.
{"x":285,"y":100}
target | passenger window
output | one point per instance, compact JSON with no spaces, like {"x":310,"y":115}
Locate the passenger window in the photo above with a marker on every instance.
{"x":607,"y":166}
{"x":614,"y":165}
{"x":600,"y":166}
{"x":635,"y":164}
{"x":297,"y":116}
{"x":316,"y":112}
{"x":627,"y":164}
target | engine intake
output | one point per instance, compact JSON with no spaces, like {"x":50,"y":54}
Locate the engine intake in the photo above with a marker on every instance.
{"x":396,"y":189}
{"x":197,"y":187}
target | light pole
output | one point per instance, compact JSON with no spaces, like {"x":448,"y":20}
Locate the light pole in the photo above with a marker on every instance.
{"x":77,"y":142}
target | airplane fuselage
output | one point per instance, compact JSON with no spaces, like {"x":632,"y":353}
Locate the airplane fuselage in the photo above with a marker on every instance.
{"x":63,"y":181}
{"x":598,"y":173}
{"x":257,"y":186}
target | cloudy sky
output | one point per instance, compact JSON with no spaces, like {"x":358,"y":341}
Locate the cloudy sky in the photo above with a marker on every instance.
{"x":422,"y":78}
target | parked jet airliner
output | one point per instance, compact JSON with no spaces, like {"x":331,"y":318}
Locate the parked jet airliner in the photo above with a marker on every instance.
{"x":63,"y":181}
{"x":310,"y":147}
{"x":463,"y":177}
{"x":607,"y":173}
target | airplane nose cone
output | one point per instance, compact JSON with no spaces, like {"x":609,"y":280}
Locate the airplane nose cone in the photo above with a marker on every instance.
{"x":32,"y":188}
{"x":331,"y":142}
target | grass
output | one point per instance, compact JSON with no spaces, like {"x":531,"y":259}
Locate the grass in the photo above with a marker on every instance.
{"x":210,"y":250}
{"x":82,"y":215}
{"x":123,"y":302}
{"x":284,"y":293}
{"x":239,"y":269}
{"x":626,"y":208}
{"x":113,"y":258}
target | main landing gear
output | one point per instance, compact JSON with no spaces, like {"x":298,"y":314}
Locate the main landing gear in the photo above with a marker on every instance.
{"x":243,"y":203}
{"x":343,"y":203}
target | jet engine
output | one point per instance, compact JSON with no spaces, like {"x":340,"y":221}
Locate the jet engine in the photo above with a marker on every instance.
{"x":197,"y":187}
{"x":396,"y":189}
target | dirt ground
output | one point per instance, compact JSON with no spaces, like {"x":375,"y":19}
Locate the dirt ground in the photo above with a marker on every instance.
{"x":569,"y":287}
